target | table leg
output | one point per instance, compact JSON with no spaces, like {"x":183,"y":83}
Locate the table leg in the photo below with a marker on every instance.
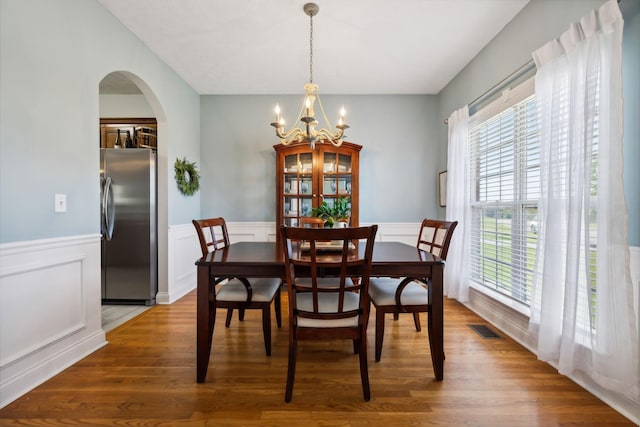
{"x":436,"y":321}
{"x":204,"y":326}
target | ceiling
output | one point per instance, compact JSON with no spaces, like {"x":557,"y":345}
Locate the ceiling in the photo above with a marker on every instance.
{"x":262,"y":46}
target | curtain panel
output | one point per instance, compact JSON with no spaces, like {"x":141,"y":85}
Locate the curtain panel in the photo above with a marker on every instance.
{"x":582,"y":310}
{"x":456,"y":273}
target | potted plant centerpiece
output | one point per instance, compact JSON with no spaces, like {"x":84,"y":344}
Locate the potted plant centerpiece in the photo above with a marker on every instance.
{"x":336,"y":214}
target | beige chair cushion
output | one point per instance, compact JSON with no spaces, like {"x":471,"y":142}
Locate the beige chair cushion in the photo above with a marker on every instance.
{"x":263,"y":289}
{"x":382,"y":291}
{"x":327,"y":303}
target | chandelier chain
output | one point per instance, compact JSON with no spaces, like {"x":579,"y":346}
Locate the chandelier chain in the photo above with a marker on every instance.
{"x":308,"y":131}
{"x":311,"y":49}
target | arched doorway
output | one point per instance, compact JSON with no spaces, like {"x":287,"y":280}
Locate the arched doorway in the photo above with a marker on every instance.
{"x":125,"y":97}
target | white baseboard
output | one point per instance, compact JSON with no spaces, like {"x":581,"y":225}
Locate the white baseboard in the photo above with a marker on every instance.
{"x":42,"y":368}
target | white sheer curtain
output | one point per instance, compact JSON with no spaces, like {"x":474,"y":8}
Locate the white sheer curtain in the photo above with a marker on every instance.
{"x":456,"y":272}
{"x":579,"y":96}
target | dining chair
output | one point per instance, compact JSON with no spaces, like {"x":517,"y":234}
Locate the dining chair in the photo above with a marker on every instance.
{"x":319,"y":310}
{"x":410,"y":294}
{"x":240,"y":293}
{"x":311,"y":222}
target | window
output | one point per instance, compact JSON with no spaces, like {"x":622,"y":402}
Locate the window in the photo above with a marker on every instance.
{"x":505,"y":188}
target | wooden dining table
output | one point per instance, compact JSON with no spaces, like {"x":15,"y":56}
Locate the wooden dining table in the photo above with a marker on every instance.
{"x":265,"y":259}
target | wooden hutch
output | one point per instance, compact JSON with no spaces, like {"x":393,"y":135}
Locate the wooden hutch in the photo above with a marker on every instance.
{"x":305,"y":178}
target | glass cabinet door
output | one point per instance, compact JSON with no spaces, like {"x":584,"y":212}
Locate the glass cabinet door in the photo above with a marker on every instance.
{"x":336,"y":176}
{"x":298,"y":187}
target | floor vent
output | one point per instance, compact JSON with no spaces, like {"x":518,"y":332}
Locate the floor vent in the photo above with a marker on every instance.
{"x":484,"y":331}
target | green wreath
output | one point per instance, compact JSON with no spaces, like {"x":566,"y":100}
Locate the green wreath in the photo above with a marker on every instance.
{"x":187,"y":177}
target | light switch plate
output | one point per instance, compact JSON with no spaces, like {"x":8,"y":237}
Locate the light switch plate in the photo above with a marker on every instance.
{"x":61,"y":203}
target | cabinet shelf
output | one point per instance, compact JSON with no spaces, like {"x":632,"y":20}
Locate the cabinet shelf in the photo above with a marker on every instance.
{"x":143,"y":131}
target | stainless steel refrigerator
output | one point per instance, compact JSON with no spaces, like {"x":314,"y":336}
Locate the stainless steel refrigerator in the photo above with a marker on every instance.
{"x":129,"y":225}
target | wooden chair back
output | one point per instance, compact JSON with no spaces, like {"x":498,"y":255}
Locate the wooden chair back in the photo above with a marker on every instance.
{"x":237,"y":292}
{"x":411,"y":294}
{"x":348,"y":263}
{"x":435,"y":236}
{"x":311,"y":222}
{"x":212,"y":234}
{"x":327,"y":308}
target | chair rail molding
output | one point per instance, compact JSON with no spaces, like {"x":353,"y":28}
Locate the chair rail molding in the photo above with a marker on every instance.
{"x":405,"y":232}
{"x":184,"y":249}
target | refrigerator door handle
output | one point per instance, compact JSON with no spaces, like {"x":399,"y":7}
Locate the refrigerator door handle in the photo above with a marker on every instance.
{"x":107,"y":210}
{"x":103,"y":226}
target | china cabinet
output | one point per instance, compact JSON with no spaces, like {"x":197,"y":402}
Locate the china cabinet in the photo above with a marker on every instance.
{"x":305,"y":178}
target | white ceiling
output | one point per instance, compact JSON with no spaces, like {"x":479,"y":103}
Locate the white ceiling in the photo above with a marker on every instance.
{"x":360,"y":47}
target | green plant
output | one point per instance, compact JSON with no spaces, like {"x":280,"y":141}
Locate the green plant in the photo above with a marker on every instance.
{"x":341,"y":208}
{"x":339,"y":211}
{"x":187,"y":176}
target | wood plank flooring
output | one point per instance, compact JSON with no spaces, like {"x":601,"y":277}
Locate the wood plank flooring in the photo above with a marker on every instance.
{"x":145,"y":376}
{"x":114,"y":315}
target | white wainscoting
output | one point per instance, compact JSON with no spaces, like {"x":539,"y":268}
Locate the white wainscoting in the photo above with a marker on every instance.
{"x":184,"y":249}
{"x":50,"y":313}
{"x":405,"y":232}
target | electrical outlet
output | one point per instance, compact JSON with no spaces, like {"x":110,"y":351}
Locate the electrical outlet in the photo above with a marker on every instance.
{"x":61,"y":203}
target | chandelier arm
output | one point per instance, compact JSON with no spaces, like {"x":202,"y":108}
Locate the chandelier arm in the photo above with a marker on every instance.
{"x":335,"y":139}
{"x":289,"y":136}
{"x":286,"y":137}
{"x":300,"y":113}
{"x":324,"y":115}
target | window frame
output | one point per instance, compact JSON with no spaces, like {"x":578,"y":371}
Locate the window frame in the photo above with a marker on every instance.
{"x":483,"y":114}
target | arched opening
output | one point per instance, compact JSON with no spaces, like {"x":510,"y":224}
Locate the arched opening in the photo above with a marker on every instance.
{"x":129,"y":105}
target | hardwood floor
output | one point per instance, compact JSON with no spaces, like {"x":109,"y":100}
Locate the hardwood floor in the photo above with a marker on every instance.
{"x":114,"y":315}
{"x":146,"y":377}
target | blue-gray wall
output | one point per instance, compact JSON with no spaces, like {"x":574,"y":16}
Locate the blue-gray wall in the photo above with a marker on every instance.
{"x":398,"y":162}
{"x":49,"y":76}
{"x":53,"y":55}
{"x":537,"y":23}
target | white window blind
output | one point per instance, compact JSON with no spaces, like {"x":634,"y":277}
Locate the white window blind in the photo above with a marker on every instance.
{"x":505,"y":188}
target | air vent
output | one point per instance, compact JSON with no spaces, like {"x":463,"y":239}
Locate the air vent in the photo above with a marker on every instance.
{"x":484,"y":331}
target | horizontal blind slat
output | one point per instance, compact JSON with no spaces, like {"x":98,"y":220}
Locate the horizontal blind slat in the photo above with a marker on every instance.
{"x":505,"y":186}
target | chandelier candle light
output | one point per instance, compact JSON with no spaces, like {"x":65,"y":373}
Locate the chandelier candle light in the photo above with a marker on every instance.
{"x":309,"y":133}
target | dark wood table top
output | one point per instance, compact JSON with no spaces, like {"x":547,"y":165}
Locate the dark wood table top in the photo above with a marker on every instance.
{"x":387,"y":257}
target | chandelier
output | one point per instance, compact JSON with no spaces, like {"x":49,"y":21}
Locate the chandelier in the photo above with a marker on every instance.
{"x":308,"y":132}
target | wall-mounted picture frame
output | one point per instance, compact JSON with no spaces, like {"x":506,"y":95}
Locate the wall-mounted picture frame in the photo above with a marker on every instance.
{"x":442,"y":188}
